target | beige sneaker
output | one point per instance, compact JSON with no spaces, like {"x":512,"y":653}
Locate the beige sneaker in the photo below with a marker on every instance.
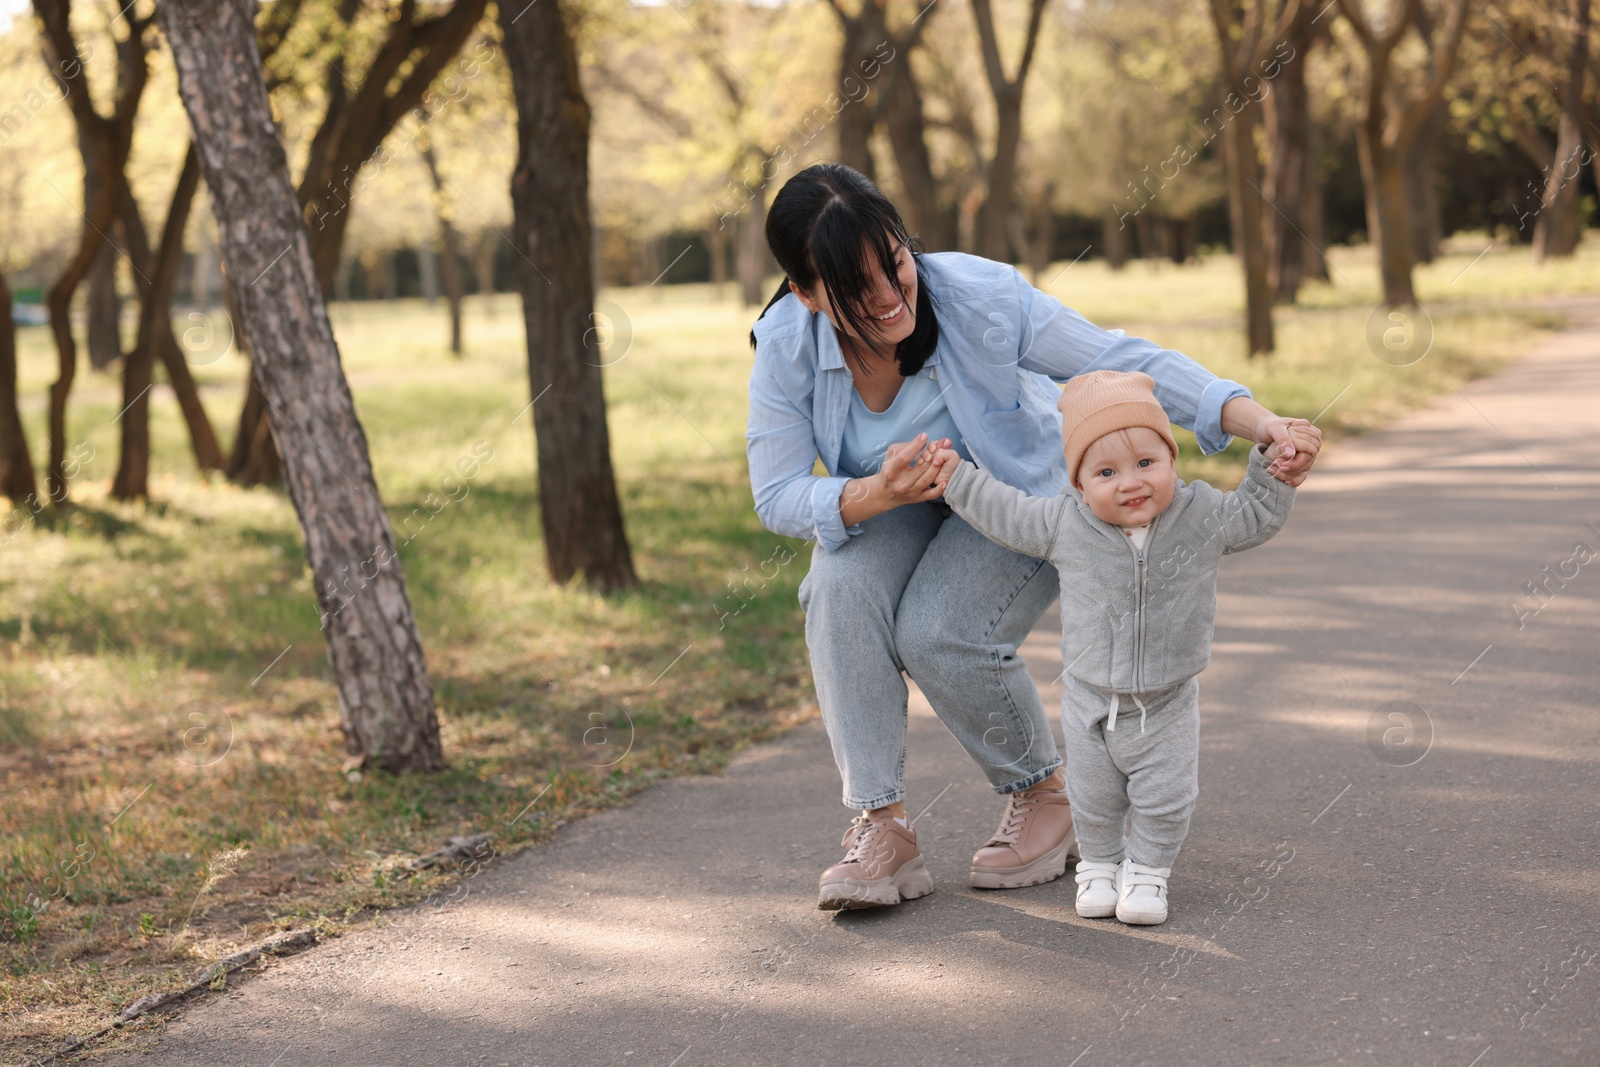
{"x":883,"y":866}
{"x":1033,"y":843}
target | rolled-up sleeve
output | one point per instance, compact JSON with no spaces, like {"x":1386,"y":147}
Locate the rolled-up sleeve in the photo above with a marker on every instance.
{"x":1057,"y":341}
{"x":781,"y":446}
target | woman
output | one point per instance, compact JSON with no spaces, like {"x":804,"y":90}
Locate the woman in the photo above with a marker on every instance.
{"x":870,"y":353}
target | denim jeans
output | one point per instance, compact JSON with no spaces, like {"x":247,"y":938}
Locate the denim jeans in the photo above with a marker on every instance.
{"x":921,"y":591}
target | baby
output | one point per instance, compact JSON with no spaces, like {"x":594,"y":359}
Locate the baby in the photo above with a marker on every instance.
{"x":1137,"y":551}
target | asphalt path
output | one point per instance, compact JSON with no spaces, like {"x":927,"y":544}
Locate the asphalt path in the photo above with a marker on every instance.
{"x":1393,"y":860}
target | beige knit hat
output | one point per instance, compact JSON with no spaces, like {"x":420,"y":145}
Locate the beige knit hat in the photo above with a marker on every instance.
{"x":1105,"y":401}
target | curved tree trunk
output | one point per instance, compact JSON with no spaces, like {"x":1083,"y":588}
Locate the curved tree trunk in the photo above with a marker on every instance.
{"x":385,"y":697}
{"x":1557,"y":232}
{"x":16,"y":465}
{"x":132,"y":480}
{"x":578,"y":503}
{"x":105,"y":143}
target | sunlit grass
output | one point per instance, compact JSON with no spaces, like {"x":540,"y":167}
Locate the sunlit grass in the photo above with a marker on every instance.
{"x":164,"y":690}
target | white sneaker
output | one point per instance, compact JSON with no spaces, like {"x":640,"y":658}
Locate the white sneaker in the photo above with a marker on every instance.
{"x":1142,"y":894}
{"x":1097,"y":888}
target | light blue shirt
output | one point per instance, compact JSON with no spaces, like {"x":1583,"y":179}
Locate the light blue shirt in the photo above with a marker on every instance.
{"x":918,"y":407}
{"x":1001,"y":345}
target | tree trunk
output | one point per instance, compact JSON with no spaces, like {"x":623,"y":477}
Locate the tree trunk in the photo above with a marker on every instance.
{"x":1001,"y":172}
{"x":1114,"y":235}
{"x":483,"y":257}
{"x":1422,"y":187}
{"x":157,"y":331}
{"x":1181,"y":233}
{"x":450,"y":244}
{"x":450,"y":274}
{"x":202,"y":437}
{"x":578,"y":502}
{"x":254,"y":459}
{"x":753,"y":252}
{"x":341,"y":279}
{"x":104,"y":308}
{"x":1001,"y":177}
{"x":1249,"y":242}
{"x":385,"y":698}
{"x":105,"y":143}
{"x":1557,"y":232}
{"x":716,"y":242}
{"x":1313,"y":261}
{"x":863,"y":32}
{"x":1388,"y":217}
{"x":416,"y":47}
{"x":1044,"y":231}
{"x":907,"y":127}
{"x":388,"y":280}
{"x":1288,"y":118}
{"x":16,"y":464}
{"x":428,"y":273}
{"x":132,"y":480}
{"x":202,"y":282}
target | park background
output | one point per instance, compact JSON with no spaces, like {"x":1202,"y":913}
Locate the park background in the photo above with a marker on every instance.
{"x":177,"y":778}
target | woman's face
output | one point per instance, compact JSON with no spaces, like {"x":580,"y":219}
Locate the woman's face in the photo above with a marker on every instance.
{"x":895,"y":317}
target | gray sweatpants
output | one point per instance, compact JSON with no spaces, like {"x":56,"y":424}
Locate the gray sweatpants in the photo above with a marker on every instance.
{"x":1147,"y":781}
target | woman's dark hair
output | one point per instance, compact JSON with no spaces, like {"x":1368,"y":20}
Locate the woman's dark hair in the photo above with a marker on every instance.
{"x":818,"y":226}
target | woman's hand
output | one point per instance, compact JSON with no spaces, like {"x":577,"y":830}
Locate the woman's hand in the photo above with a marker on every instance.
{"x":1293,"y":445}
{"x":906,"y":484}
{"x":897,"y":482}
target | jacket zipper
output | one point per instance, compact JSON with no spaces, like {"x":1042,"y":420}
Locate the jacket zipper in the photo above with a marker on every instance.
{"x":1139,"y":572}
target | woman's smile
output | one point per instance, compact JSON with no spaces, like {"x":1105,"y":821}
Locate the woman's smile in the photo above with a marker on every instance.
{"x":892,"y":316}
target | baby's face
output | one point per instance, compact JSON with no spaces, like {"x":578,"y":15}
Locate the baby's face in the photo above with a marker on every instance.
{"x":1127,"y":477}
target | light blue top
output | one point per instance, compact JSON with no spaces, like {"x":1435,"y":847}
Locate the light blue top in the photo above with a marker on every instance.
{"x":1001,"y":345}
{"x":918,"y":407}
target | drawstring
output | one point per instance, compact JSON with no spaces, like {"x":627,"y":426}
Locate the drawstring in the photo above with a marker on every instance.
{"x":1116,"y":701}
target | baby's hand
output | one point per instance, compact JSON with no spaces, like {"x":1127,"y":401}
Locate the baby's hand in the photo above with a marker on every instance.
{"x":940,"y":460}
{"x":1305,"y":439}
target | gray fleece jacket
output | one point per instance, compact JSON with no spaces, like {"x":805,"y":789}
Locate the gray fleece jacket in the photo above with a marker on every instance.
{"x":1132,"y":621}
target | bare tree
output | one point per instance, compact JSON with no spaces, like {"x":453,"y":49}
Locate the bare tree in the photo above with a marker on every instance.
{"x":1391,"y":121}
{"x":385,"y":697}
{"x":578,"y":503}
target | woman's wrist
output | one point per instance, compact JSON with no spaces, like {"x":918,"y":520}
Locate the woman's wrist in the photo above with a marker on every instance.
{"x":862,"y":499}
{"x":1244,"y":417}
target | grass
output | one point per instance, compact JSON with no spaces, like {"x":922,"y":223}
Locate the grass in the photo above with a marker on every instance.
{"x":169,"y":745}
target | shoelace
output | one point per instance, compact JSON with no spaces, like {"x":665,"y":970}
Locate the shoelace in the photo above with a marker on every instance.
{"x":1018,"y":806}
{"x":1116,"y":702}
{"x":865,"y":832}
